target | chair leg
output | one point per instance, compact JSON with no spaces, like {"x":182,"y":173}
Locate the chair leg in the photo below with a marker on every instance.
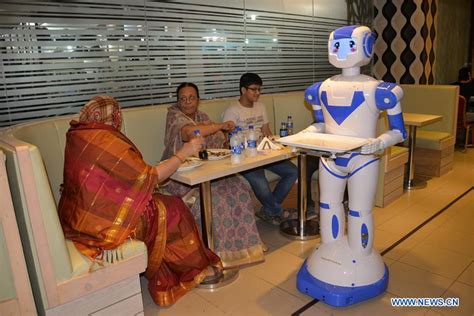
{"x":472,"y":135}
{"x":469,"y":128}
{"x":466,"y":139}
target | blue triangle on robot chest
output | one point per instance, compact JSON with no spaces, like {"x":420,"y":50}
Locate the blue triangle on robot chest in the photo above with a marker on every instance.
{"x":341,"y":113}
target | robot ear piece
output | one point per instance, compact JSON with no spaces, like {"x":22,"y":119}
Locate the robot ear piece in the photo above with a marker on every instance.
{"x":369,"y":40}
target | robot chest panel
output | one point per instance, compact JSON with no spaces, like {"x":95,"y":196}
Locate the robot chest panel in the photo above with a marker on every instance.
{"x":342,"y":100}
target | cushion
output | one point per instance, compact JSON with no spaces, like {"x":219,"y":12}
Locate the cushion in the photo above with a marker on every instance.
{"x":293,"y":104}
{"x":82,"y":264}
{"x":433,"y":99}
{"x":431,"y":139}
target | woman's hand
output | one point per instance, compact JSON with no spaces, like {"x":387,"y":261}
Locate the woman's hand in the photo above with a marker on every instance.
{"x":228,"y":126}
{"x":192,"y":147}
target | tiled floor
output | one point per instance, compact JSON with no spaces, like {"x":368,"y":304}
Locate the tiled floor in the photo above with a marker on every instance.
{"x":435,"y":261}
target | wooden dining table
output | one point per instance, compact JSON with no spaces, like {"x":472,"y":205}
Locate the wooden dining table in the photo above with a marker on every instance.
{"x":413,"y":121}
{"x":216,"y":169}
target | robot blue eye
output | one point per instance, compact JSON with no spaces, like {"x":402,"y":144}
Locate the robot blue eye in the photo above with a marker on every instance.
{"x":336,"y":45}
{"x":352,"y":44}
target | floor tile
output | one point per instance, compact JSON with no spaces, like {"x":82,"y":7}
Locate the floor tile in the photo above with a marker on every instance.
{"x":465,"y":293}
{"x":437,"y":260}
{"x":384,"y":239}
{"x":403,"y":223}
{"x":409,"y":281}
{"x":301,"y":249}
{"x":190,"y":304}
{"x":251,"y":295}
{"x":401,"y":249}
{"x":467,"y":276}
{"x":278,"y":267}
{"x":376,"y":306}
{"x":452,"y":240}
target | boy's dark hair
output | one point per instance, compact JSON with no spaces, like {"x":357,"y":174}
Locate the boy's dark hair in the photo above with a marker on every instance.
{"x":464,"y":73}
{"x":248,"y":79}
{"x":184,"y":85}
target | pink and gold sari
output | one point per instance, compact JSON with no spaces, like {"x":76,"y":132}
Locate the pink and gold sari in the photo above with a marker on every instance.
{"x":108,"y":196}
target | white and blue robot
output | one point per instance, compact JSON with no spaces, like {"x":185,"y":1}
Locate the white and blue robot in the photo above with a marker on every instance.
{"x":346,"y":269}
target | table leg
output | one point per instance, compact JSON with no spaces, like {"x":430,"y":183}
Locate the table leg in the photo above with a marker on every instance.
{"x":411,"y":183}
{"x":208,"y":236}
{"x":301,"y":229}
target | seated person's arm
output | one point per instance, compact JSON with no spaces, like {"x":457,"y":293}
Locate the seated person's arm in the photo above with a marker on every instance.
{"x":169,"y":166}
{"x":187,"y":131}
{"x":266,"y":130}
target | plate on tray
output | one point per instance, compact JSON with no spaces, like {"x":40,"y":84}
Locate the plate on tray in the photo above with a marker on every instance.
{"x":324,"y":142}
{"x":218,"y":154}
{"x":190,"y":164}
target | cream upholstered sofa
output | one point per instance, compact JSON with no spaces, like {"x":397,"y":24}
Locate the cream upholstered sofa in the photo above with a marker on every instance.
{"x":391,"y":169}
{"x":60,"y":276}
{"x":63,"y":281}
{"x":434,"y":150}
{"x":16,"y":297}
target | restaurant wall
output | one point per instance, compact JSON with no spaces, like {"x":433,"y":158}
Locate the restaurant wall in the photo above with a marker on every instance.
{"x":56,"y":55}
{"x":405,"y":50}
{"x":454,"y":22}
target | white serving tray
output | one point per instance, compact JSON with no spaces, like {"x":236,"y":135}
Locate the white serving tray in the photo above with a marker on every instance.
{"x":324,"y":142}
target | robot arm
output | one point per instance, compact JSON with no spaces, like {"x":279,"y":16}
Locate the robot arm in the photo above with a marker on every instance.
{"x":312,"y":97}
{"x":387,"y":97}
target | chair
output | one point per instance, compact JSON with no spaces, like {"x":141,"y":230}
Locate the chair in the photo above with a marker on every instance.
{"x":63,"y":281}
{"x":16,"y":297}
{"x":463,"y":124}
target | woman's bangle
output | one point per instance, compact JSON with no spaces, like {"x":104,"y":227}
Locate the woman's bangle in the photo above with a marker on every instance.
{"x":179,"y":158}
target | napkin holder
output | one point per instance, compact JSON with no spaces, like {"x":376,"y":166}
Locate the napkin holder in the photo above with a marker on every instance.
{"x":266,"y":143}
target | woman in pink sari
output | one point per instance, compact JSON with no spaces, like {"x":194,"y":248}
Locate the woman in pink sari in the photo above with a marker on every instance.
{"x":237,"y":241}
{"x":108,"y":196}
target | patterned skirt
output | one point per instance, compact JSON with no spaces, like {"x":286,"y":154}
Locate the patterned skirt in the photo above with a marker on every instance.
{"x":236,"y":238}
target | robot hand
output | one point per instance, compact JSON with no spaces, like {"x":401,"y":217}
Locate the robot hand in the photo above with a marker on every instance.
{"x":314,"y":128}
{"x":375,"y":146}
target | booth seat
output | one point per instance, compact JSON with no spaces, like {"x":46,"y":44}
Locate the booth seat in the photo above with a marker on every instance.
{"x":391,"y":169}
{"x":434,"y":150}
{"x":63,"y":281}
{"x":145,"y":126}
{"x":61,"y":278}
{"x":16,"y":297}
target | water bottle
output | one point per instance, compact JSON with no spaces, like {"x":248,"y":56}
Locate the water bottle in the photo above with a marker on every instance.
{"x":235,"y":150}
{"x":283,"y":130}
{"x":289,"y":125}
{"x":252,"y":142}
{"x":203,"y":152}
{"x":241,"y":137}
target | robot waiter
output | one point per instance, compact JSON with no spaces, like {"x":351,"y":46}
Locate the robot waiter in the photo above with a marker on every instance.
{"x":345,"y":269}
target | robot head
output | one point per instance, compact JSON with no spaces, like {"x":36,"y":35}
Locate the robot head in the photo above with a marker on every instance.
{"x":351,"y":46}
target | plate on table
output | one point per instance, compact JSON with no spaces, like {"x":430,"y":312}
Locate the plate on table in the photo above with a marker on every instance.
{"x":190,"y":164}
{"x":217,"y":154}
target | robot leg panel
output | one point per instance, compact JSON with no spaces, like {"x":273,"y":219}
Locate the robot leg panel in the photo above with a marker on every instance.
{"x":362,"y":187}
{"x":332,"y":217}
{"x":360,"y":231}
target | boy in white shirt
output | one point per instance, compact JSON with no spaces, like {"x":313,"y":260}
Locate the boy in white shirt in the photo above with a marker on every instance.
{"x":248,"y":111}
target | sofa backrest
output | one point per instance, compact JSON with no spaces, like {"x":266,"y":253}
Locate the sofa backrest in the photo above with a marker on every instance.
{"x":433,"y":99}
{"x":49,"y":136}
{"x":215,"y":108}
{"x":42,"y":237}
{"x":145,"y":126}
{"x":16,"y":297}
{"x":294,"y":104}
